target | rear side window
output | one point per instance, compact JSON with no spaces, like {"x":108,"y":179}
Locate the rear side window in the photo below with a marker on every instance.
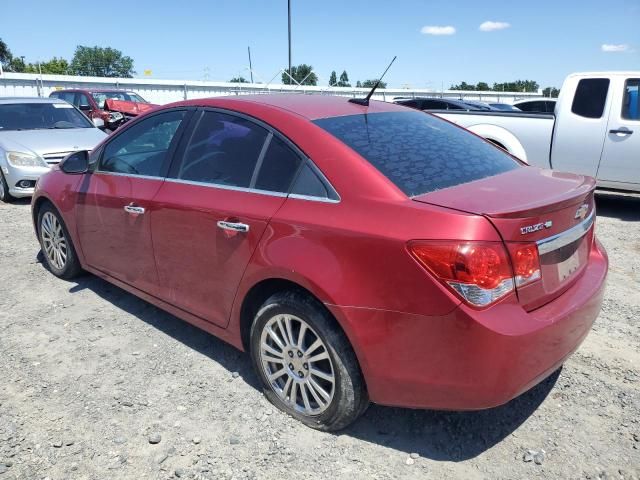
{"x":309,"y":184}
{"x":224,"y":150}
{"x":631,"y":99}
{"x":418,"y":152}
{"x":279,"y":166}
{"x":591,"y":97}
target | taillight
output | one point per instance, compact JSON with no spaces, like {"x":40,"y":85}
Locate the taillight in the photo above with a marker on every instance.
{"x":480,"y":272}
{"x":526,"y":263}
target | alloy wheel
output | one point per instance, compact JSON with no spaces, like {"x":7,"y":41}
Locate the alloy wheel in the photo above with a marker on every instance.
{"x":54,"y":241}
{"x":297,"y":364}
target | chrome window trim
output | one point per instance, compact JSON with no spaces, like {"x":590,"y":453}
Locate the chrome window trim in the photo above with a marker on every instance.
{"x":226,"y":187}
{"x":311,"y":198}
{"x":130,"y":175}
{"x":563,"y":239}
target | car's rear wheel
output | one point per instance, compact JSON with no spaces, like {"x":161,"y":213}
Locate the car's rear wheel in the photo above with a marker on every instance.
{"x":5,"y":196}
{"x":307,"y":366}
{"x":56,"y":244}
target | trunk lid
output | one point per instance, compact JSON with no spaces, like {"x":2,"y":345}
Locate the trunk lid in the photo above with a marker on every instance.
{"x":554,"y":210}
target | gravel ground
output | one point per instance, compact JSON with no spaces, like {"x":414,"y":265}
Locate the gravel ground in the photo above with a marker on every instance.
{"x":97,"y":384}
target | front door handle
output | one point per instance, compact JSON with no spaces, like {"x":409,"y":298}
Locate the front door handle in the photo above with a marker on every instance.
{"x":233,"y":226}
{"x":136,"y":210}
{"x":621,"y":131}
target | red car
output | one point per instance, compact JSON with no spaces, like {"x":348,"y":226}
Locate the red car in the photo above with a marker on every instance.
{"x":114,"y":107}
{"x":357,"y":252}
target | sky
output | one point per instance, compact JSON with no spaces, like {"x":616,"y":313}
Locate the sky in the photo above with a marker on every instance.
{"x":438,"y":43}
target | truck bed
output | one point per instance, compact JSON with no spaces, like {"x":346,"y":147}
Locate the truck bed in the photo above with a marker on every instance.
{"x":525,"y":135}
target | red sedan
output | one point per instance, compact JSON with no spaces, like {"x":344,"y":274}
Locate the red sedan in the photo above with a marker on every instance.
{"x":357,"y":252}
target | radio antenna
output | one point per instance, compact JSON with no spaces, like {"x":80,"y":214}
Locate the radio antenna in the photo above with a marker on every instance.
{"x":365,"y":101}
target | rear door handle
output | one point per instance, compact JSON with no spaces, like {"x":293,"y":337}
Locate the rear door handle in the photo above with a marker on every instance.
{"x":136,"y":210}
{"x":622,"y":131}
{"x":233,"y":226}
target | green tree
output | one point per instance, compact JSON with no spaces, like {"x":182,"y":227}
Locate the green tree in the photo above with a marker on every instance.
{"x":358,"y":84}
{"x":239,"y":79}
{"x":517,"y":86}
{"x":55,"y":66}
{"x":302,"y":74}
{"x":5,"y":56}
{"x":371,"y":83}
{"x":101,"y":62}
{"x":552,"y":92}
{"x":333,"y":79}
{"x":463,"y":86}
{"x":482,"y":86}
{"x":344,"y":79}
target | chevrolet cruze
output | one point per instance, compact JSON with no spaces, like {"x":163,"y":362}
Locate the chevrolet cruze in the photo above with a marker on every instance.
{"x":358,"y":252}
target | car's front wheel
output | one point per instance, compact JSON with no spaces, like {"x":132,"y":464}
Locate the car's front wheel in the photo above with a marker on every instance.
{"x":56,"y":244}
{"x":307,"y":366}
{"x":5,"y":196}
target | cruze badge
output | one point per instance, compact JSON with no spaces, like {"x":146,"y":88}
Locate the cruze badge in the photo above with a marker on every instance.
{"x":582,"y":211}
{"x":536,"y":227}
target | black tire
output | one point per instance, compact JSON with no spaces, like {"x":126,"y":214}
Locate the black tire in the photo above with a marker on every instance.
{"x":71,"y":266}
{"x":350,"y":399}
{"x":5,"y":196}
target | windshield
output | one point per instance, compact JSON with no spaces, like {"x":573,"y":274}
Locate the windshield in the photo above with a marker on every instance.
{"x":418,"y":152}
{"x":39,"y":116}
{"x":100,"y":97}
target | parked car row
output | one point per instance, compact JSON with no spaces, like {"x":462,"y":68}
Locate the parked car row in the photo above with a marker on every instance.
{"x":593,"y":130}
{"x":358,"y":251}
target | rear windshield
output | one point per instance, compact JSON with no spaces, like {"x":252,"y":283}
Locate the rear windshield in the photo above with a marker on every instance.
{"x":419,"y":153}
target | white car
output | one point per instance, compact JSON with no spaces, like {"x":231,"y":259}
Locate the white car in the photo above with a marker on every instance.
{"x":36,"y":133}
{"x":595,"y":129}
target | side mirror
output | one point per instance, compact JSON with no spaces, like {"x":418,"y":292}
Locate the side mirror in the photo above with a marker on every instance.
{"x":85,"y":108}
{"x":99,"y":123}
{"x":75,"y":163}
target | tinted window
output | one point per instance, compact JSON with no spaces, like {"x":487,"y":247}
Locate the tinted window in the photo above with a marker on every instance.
{"x":590,"y":98}
{"x":278,"y":167}
{"x":410,"y":103}
{"x":82,"y":99}
{"x":142,"y":149}
{"x":223,"y":150}
{"x":309,"y":184}
{"x":631,"y":99}
{"x":417,"y":152}
{"x":433,"y":105}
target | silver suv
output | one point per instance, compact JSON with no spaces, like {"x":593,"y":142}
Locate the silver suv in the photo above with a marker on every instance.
{"x":36,"y":133}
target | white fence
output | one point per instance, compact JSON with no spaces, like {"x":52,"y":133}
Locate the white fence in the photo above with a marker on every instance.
{"x":165,"y":91}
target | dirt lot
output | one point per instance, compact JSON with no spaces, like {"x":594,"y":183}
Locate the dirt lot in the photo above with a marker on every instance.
{"x":90,"y":375}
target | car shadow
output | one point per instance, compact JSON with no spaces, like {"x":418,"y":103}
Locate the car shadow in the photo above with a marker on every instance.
{"x":437,"y":435}
{"x":624,"y":206}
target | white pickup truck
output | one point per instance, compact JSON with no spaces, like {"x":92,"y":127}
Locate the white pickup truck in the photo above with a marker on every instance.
{"x":595,"y":129}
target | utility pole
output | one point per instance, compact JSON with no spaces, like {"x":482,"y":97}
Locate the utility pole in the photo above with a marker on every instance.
{"x":289,"y":17}
{"x":250,"y":67}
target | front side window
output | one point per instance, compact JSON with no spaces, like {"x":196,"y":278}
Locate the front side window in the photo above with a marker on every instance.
{"x":418,"y":152}
{"x":142,"y":149}
{"x":82,"y":99}
{"x":631,"y":99}
{"x":591,"y":97}
{"x":223,"y":150}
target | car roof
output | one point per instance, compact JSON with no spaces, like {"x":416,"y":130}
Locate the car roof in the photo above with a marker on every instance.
{"x":94,"y":90}
{"x":14,"y":100}
{"x":311,"y":107}
{"x":542,"y":99}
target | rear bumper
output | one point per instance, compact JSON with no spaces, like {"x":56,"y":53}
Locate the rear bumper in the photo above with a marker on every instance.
{"x":471,"y":359}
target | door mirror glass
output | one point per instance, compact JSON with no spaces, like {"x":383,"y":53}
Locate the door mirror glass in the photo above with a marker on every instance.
{"x":75,"y":163}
